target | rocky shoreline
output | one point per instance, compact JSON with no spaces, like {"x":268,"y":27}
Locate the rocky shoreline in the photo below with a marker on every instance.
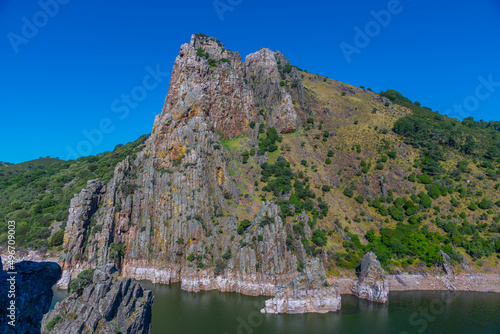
{"x":428,"y":281}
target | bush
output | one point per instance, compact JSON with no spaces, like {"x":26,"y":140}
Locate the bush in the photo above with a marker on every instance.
{"x":319,"y":238}
{"x":325,"y":188}
{"x":53,"y":322}
{"x":328,"y":161}
{"x":485,"y":204}
{"x":384,"y":158}
{"x":83,"y":280}
{"x":242,"y":226}
{"x":426,"y":201}
{"x":252,"y":124}
{"x":330,"y":153}
{"x":424,"y":179}
{"x":360,"y":199}
{"x":434,"y":192}
{"x":348,"y":192}
{"x":190,"y":257}
{"x":473,"y":206}
{"x":392,"y":154}
{"x":57,"y":238}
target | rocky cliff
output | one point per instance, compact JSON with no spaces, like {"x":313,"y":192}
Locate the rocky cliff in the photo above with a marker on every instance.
{"x":173,"y":212}
{"x":308,"y":292}
{"x":106,"y":304}
{"x":372,"y":283}
{"x":33,"y":295}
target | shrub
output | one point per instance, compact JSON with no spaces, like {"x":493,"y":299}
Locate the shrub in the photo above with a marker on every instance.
{"x":83,"y":280}
{"x":392,"y":154}
{"x":424,"y":179}
{"x":190,"y":257}
{"x":348,"y":192}
{"x":57,"y":238}
{"x":379,"y":166}
{"x":328,"y":161}
{"x":330,"y":153}
{"x":412,"y":177}
{"x":53,"y":322}
{"x":212,"y":62}
{"x":227,"y":254}
{"x":360,"y":199}
{"x":434,"y":191}
{"x":319,"y":238}
{"x":325,"y":188}
{"x":242,"y":226}
{"x":485,"y":204}
{"x":473,"y":206}
{"x":384,"y":158}
{"x":252,"y":124}
{"x":426,"y":201}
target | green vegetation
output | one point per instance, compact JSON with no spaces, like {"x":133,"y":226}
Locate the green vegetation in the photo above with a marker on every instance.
{"x":83,"y":280}
{"x":37,"y":193}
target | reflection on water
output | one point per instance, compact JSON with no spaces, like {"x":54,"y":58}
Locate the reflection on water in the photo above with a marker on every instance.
{"x":177,"y":311}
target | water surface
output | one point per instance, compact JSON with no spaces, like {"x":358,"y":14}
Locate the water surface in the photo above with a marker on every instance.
{"x":212,"y":312}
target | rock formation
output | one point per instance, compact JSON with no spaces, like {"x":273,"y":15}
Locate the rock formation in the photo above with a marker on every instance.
{"x":110,"y":304}
{"x":371,"y":284}
{"x":170,"y":212}
{"x":308,"y":292}
{"x":33,"y":295}
{"x":447,"y":267}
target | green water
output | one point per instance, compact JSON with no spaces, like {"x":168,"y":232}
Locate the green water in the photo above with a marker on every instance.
{"x":176,"y":311}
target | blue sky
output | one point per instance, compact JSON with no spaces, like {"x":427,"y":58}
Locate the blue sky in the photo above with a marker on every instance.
{"x":69,"y":74}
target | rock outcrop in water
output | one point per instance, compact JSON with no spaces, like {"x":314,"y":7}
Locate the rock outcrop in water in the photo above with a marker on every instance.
{"x":371,"y":284}
{"x":110,"y":304}
{"x":308,"y":292}
{"x":33,"y":290}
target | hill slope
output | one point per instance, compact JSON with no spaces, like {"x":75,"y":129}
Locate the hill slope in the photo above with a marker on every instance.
{"x":254,"y":168}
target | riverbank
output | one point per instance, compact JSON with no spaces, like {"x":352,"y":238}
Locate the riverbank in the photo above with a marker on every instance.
{"x":422,"y":281}
{"x":478,"y":282}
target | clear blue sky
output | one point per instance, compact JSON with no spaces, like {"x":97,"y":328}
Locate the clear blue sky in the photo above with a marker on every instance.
{"x":69,"y":75}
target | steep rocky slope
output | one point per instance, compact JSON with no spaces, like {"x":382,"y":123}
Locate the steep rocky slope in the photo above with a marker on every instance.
{"x":102,"y":302}
{"x":256,"y":168}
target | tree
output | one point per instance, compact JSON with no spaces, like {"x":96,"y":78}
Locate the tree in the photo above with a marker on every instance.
{"x":426,"y":201}
{"x":469,"y":145}
{"x":493,"y":152}
{"x":424,"y":179}
{"x":434,"y":191}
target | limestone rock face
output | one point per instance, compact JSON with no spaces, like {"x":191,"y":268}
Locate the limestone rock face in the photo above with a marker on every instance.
{"x":306,"y":293}
{"x":33,"y":282}
{"x":111,"y":304}
{"x":372,"y":284}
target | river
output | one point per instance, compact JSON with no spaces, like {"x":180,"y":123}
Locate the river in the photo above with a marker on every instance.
{"x":212,"y":312}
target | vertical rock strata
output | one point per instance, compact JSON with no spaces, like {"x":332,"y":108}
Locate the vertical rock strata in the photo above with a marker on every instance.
{"x":308,"y":292}
{"x":110,"y":304}
{"x":371,"y":284}
{"x":170,"y":213}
